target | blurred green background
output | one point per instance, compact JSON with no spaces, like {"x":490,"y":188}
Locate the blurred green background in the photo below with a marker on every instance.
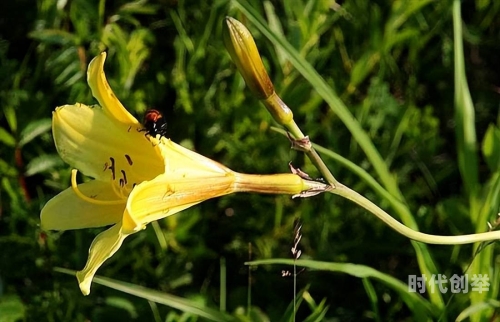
{"x":392,"y":65}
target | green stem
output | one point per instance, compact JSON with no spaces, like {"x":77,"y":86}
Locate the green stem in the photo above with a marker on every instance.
{"x":312,"y":154}
{"x":352,"y":195}
{"x":284,"y":116}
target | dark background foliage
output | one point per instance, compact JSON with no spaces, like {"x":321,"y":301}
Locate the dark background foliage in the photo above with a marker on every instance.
{"x":392,"y":68}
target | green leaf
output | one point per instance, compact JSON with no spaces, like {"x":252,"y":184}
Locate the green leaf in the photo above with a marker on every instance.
{"x":254,"y":314}
{"x":318,"y":313}
{"x":372,"y":295}
{"x":138,"y":7}
{"x":362,"y":68}
{"x":403,"y":11}
{"x":10,"y":116}
{"x":7,"y":138}
{"x":11,"y":309}
{"x":420,"y":307}
{"x":7,"y":169}
{"x":54,"y":36}
{"x":43,"y":163}
{"x":69,"y":74}
{"x":401,"y":36}
{"x":298,"y":298}
{"x":491,"y":147}
{"x":34,"y":129}
{"x":176,"y":302}
{"x":476,"y":308}
{"x":124,"y":304}
{"x":465,"y":130}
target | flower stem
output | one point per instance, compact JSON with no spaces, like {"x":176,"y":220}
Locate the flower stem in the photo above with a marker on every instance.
{"x":286,"y":183}
{"x":292,"y":127}
{"x":352,"y":195}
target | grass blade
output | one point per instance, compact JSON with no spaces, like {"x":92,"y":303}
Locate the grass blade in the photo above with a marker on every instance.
{"x":465,"y":129}
{"x":420,"y":307}
{"x":176,"y":302}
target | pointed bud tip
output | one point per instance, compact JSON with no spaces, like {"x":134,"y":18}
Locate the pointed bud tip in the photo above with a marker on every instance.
{"x":245,"y":55}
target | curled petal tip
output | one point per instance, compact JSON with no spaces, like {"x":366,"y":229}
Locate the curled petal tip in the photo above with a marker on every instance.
{"x":84,"y":283}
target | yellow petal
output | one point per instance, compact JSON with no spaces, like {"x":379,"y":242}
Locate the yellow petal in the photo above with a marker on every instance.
{"x":178,"y":159}
{"x":67,"y":211}
{"x":171,"y":193}
{"x":104,"y":94}
{"x":189,"y":178}
{"x":89,"y":140}
{"x":102,"y":248}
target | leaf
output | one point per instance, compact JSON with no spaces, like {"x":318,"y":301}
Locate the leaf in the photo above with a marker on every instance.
{"x":10,"y":116}
{"x":400,"y":37}
{"x":34,"y":129}
{"x":124,"y":304}
{"x":465,"y":130}
{"x":476,"y":308}
{"x":289,"y":312}
{"x":54,"y":36}
{"x":12,"y":309}
{"x":138,"y":7}
{"x":362,"y":68}
{"x":7,"y":138}
{"x":69,"y":72}
{"x":182,"y":304}
{"x":43,"y":163}
{"x":491,"y":147}
{"x":318,"y":313}
{"x":7,"y":169}
{"x":372,"y":296}
{"x":421,"y":308}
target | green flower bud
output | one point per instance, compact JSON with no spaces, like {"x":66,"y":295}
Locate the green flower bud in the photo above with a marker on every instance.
{"x":241,"y":46}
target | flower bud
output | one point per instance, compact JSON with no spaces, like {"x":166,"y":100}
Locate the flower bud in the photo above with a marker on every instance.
{"x":241,"y":46}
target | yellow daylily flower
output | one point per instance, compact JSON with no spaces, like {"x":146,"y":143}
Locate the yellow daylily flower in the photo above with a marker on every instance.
{"x":135,"y":181}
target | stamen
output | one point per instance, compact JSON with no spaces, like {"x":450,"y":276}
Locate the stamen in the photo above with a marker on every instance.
{"x":112,"y":167}
{"x":74,"y":186}
{"x":124,"y":176}
{"x":120,"y":191}
{"x":129,"y":159}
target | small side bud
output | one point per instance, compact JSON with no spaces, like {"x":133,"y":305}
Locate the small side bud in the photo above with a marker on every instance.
{"x":244,"y":53}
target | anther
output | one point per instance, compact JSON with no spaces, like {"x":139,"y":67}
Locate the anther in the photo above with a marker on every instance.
{"x":124,"y":176}
{"x":112,"y":167}
{"x":129,"y":159}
